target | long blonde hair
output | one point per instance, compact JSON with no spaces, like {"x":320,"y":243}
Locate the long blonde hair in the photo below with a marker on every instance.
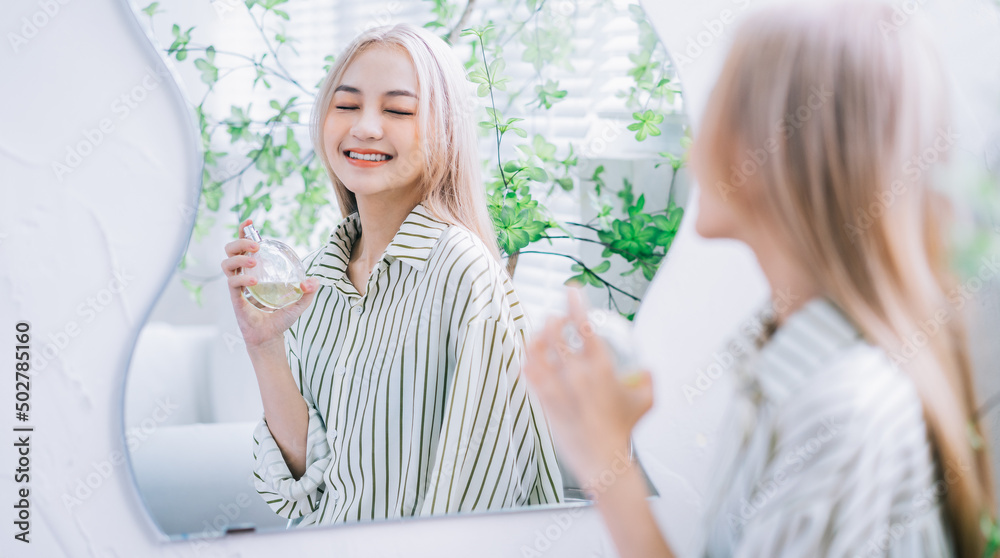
{"x":837,"y":112}
{"x":452,"y":189}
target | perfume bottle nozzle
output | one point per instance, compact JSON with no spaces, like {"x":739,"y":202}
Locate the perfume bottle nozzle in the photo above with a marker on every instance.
{"x":251,"y":232}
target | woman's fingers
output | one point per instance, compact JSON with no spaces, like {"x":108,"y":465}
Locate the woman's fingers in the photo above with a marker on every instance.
{"x":242,"y":244}
{"x":237,"y":247}
{"x":639,"y":390}
{"x":309,"y":288}
{"x":543,"y":365}
{"x":592,"y":348}
{"x":540,"y":364}
{"x":232,"y":264}
{"x":240,"y":281}
{"x":576,"y":306}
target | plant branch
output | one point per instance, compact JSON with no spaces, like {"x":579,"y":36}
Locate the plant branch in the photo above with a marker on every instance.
{"x":580,"y":238}
{"x":274,"y":54}
{"x":496,"y":119}
{"x":584,"y":266}
{"x":457,"y":29}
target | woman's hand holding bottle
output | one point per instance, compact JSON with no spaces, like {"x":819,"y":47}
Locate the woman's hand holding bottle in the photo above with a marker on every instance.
{"x":259,"y":328}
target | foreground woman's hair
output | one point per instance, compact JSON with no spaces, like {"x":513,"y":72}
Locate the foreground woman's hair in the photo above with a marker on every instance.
{"x":845,"y":101}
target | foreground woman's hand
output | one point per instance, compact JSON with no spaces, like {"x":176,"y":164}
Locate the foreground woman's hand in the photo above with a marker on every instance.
{"x":591,"y":411}
{"x":592,"y":414}
{"x":259,"y":328}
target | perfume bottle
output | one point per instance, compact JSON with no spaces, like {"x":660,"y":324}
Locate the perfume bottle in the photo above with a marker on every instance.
{"x":616,"y":332}
{"x":279,"y":274}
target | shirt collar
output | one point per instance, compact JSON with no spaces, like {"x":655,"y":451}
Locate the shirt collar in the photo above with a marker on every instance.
{"x":412,"y":244}
{"x":801,"y":346}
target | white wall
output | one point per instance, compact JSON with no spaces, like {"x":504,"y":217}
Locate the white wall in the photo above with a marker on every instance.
{"x":122,"y":209}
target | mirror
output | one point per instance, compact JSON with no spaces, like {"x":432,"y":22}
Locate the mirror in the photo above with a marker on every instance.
{"x":582,"y":141}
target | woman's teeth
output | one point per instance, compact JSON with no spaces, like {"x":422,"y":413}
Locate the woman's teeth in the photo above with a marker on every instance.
{"x":367,"y":156}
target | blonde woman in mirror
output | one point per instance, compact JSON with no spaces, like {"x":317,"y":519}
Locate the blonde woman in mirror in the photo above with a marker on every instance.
{"x":839,"y":444}
{"x":393,"y":388}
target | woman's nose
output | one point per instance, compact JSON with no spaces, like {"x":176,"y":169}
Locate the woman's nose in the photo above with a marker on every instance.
{"x":368,"y":125}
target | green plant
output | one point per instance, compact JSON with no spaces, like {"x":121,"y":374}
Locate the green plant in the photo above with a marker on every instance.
{"x":524,"y":170}
{"x":991,"y":530}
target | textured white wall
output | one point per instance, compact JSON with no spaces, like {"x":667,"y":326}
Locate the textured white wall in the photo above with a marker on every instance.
{"x":122,"y":209}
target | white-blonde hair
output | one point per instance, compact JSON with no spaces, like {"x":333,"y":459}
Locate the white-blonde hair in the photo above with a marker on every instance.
{"x":450,"y":181}
{"x":842,"y":99}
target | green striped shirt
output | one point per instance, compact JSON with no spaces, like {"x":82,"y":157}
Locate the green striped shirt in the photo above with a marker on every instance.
{"x":417,"y":404}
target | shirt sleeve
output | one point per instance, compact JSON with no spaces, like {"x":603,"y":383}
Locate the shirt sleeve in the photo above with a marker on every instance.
{"x":495,"y":448}
{"x":289,"y":497}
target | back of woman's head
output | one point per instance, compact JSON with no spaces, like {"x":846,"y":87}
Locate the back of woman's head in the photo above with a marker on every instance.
{"x":828,"y":120}
{"x":450,"y":181}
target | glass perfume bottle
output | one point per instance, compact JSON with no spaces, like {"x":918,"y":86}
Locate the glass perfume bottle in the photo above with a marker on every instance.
{"x":279,"y":273}
{"x":616,"y":331}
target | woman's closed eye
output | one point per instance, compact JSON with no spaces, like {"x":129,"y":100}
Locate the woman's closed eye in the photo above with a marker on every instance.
{"x":391,"y":111}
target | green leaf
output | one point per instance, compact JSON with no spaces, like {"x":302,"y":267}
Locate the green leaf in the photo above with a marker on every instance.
{"x":151,"y":9}
{"x":537,"y":174}
{"x":549,"y":94}
{"x":544,"y":150}
{"x":193,"y":290}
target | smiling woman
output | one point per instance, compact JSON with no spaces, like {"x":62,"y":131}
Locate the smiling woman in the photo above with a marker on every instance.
{"x":392,"y":388}
{"x":375,"y":125}
{"x":409,"y":260}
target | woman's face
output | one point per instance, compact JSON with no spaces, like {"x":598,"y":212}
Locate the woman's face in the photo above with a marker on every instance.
{"x":370,"y":134}
{"x":721,"y":202}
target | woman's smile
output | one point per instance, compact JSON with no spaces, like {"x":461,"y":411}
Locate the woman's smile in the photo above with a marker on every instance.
{"x":366,"y":158}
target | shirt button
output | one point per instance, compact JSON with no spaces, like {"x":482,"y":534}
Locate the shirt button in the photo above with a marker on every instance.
{"x":341,"y":370}
{"x":358,"y":309}
{"x":333,"y":435}
{"x":334,"y":494}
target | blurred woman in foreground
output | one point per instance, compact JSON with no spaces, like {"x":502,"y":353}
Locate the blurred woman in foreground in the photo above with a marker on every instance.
{"x":854,"y":431}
